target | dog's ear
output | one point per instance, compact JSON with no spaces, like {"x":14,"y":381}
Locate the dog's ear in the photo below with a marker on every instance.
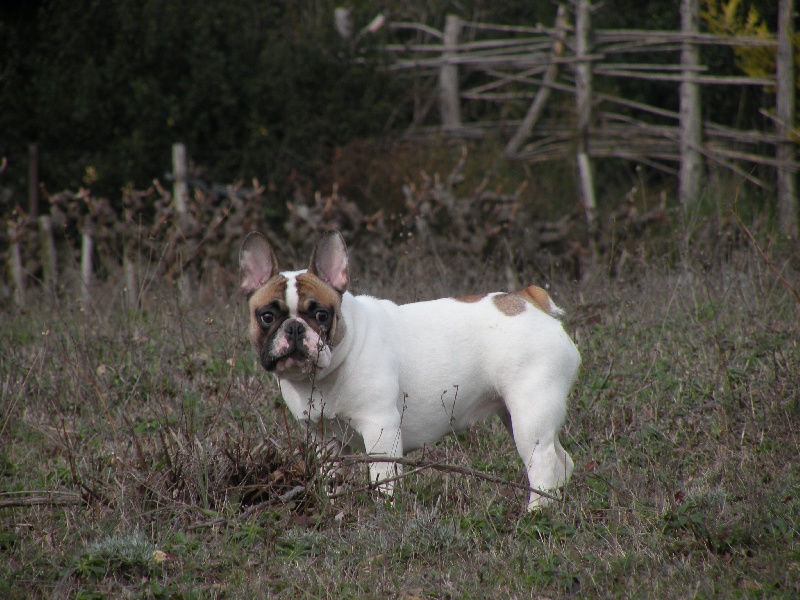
{"x":257,"y":262}
{"x":329,"y":261}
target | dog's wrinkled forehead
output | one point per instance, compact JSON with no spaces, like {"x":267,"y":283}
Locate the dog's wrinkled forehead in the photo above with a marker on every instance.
{"x":297,"y":290}
{"x":273,"y":289}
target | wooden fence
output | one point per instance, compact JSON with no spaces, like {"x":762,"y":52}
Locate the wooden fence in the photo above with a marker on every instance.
{"x":180,"y":236}
{"x":528,"y":63}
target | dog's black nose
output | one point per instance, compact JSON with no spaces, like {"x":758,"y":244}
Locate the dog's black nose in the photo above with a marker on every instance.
{"x":295,"y":330}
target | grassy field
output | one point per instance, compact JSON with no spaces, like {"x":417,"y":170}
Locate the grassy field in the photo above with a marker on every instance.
{"x":144,"y":454}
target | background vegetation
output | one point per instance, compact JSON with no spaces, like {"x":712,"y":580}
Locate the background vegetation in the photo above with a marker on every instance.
{"x":255,"y":89}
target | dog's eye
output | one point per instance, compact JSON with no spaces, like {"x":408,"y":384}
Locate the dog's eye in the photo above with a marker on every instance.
{"x":322,"y":316}
{"x":266,"y":318}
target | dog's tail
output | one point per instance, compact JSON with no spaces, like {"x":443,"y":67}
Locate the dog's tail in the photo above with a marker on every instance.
{"x":541,"y":300}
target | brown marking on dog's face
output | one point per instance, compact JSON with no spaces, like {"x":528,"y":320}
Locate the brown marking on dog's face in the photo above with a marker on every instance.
{"x":509,"y":304}
{"x":270,"y":297}
{"x":471,"y":299}
{"x":538,"y":297}
{"x":318,"y":299}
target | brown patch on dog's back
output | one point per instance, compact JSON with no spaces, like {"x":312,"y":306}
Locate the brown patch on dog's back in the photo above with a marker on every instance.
{"x":538,"y":297}
{"x":516,"y":302}
{"x":509,"y":304}
{"x":471,"y":299}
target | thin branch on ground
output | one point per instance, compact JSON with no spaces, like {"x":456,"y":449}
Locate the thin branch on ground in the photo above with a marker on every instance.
{"x":763,"y":255}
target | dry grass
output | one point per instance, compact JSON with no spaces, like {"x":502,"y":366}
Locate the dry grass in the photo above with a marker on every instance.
{"x":144,"y":454}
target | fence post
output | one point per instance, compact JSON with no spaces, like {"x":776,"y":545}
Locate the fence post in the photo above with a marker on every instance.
{"x":87,"y":247}
{"x":583,"y":97}
{"x":33,"y":180}
{"x":691,"y":136}
{"x":785,"y":110}
{"x":449,"y":93}
{"x":179,"y":172}
{"x":17,"y":270}
{"x":130,"y":267}
{"x":48,"y":252}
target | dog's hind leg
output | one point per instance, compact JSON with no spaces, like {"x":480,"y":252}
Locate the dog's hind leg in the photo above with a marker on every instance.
{"x":537,"y":413}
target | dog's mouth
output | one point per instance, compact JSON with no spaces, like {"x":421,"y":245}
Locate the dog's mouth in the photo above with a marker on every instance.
{"x":291,"y":360}
{"x":294,"y":360}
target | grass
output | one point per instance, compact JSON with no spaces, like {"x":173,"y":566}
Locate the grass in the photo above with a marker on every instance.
{"x":144,"y":454}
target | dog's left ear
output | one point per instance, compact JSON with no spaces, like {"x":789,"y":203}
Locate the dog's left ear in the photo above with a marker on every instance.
{"x":257,"y":262}
{"x":329,"y":261}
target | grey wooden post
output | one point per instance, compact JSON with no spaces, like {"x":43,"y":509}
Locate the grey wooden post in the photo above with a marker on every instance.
{"x":583,"y":98}
{"x":785,"y":110}
{"x":691,"y":140}
{"x":130,"y":267}
{"x":17,"y":270}
{"x":449,"y":93}
{"x":33,"y":180}
{"x":87,"y":267}
{"x":180,"y":188}
{"x":48,"y":252}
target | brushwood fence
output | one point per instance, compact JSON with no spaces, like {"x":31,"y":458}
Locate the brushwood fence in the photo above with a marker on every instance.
{"x":527,"y":64}
{"x":189,"y":236}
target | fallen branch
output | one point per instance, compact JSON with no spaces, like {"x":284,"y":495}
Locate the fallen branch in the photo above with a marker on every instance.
{"x":419,"y":465}
{"x":39,"y":498}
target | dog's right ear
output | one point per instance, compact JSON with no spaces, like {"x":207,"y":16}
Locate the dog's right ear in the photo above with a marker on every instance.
{"x":257,"y":262}
{"x":329,"y":261}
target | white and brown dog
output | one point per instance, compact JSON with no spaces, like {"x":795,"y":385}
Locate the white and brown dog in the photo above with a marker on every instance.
{"x":387,"y":379}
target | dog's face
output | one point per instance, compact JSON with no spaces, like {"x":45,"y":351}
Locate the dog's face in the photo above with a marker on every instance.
{"x":295,"y":317}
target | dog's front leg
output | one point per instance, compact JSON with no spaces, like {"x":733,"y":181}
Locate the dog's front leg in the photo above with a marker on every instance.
{"x":383,"y":438}
{"x":331,"y":443}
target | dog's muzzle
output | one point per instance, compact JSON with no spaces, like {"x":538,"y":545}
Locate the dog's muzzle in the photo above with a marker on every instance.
{"x":290,"y":348}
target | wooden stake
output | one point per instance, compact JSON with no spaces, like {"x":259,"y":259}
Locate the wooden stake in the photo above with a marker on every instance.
{"x":17,"y":270}
{"x":33,"y":180}
{"x":48,"y":252}
{"x":785,"y":111}
{"x":129,"y":266}
{"x":449,"y":96}
{"x":691,"y":141}
{"x":87,"y":247}
{"x":180,"y":189}
{"x":583,"y":98}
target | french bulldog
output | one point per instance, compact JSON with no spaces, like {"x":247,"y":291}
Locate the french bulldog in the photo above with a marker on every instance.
{"x":373,"y":376}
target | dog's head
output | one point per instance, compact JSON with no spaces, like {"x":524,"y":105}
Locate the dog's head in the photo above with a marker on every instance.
{"x":295,"y":317}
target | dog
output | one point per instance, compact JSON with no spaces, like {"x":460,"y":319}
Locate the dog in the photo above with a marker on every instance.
{"x":369,"y":375}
